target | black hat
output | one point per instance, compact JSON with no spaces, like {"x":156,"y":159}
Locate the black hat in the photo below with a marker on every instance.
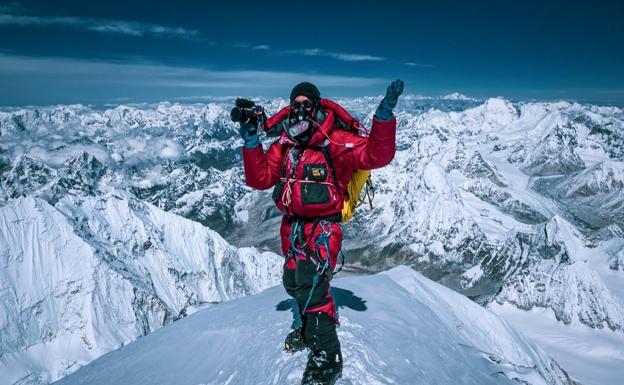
{"x":305,"y":89}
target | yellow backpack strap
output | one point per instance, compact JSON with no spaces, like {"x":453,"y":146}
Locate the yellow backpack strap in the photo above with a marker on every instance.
{"x":369,"y":191}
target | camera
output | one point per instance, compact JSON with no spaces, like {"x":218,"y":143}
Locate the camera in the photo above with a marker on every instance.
{"x":246,"y":111}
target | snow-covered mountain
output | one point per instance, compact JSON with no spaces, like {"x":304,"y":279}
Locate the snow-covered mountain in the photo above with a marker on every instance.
{"x":458,"y":204}
{"x":398,"y":327}
{"x":516,"y":204}
{"x":456,"y":96}
{"x":91,"y":274}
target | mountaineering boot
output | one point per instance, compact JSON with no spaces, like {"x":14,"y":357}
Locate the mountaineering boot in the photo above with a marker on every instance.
{"x":294,"y":342}
{"x":323,"y":368}
{"x":324,"y":365}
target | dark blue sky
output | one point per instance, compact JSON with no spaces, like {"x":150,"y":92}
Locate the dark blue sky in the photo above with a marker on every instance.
{"x":99,"y":52}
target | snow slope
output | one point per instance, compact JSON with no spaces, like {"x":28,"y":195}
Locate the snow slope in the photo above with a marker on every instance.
{"x":78,"y":280}
{"x":398,"y":327}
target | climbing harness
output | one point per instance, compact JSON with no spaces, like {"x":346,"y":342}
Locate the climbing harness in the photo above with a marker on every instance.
{"x":321,"y":264}
{"x":295,"y":232}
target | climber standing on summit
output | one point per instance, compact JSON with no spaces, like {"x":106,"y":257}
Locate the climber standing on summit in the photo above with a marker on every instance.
{"x":310,"y":166}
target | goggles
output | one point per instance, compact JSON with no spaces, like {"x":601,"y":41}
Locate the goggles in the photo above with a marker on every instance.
{"x":298,"y":106}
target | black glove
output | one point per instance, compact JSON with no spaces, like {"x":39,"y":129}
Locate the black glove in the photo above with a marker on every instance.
{"x":384,"y":111}
{"x":248,"y":115}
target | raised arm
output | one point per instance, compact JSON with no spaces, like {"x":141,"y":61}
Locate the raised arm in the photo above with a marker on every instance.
{"x":380,"y":147}
{"x":263,"y":170}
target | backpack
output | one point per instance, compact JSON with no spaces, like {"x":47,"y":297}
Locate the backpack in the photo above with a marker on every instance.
{"x":360,"y":180}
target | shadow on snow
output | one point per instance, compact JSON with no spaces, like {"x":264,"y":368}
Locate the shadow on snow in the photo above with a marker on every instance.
{"x":342,"y":297}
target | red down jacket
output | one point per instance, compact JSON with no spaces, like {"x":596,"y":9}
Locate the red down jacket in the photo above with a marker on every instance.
{"x":309,"y":189}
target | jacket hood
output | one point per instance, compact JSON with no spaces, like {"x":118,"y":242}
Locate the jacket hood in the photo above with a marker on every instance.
{"x":335,"y":115}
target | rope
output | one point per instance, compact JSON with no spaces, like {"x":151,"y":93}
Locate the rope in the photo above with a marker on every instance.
{"x":322,"y":239}
{"x":287,"y":194}
{"x":369,"y":192}
{"x":342,"y":259}
{"x":294,"y":233}
{"x":294,"y":156}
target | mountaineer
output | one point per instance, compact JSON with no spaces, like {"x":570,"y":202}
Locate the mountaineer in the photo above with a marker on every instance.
{"x":320,"y":153}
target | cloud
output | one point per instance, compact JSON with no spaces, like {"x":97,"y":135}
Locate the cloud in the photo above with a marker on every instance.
{"x":131,"y":28}
{"x":245,"y":45}
{"x":412,"y":64}
{"x":84,"y":79}
{"x":343,"y":56}
{"x":351,"y":57}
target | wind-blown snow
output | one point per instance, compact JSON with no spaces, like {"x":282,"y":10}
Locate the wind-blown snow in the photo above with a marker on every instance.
{"x":397,"y":328}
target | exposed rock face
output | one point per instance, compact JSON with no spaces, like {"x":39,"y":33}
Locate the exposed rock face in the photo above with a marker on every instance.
{"x":548,"y":270}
